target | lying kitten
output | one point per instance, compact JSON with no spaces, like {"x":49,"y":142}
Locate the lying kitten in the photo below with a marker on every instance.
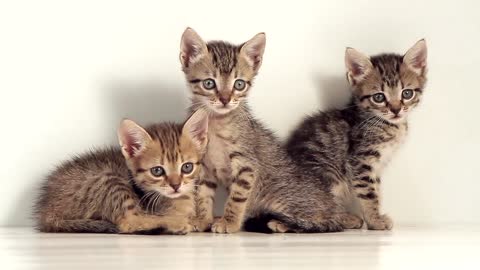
{"x":347,"y":149}
{"x":263,"y":182}
{"x":145,"y":187}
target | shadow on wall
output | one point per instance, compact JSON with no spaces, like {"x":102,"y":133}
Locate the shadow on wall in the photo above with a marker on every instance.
{"x":22,"y":214}
{"x":333,"y":91}
{"x":145,"y":101}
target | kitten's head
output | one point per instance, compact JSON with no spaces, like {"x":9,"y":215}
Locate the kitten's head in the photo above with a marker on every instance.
{"x":388,"y":85}
{"x":165,"y":157}
{"x":220,"y":74}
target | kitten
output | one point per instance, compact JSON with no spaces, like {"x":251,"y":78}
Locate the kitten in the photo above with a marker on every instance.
{"x":264,"y":185}
{"x":347,"y":149}
{"x":145,"y":186}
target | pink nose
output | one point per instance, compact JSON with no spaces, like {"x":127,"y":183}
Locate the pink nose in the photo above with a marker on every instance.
{"x":175,"y":186}
{"x":224,"y":100}
{"x":395,"y":110}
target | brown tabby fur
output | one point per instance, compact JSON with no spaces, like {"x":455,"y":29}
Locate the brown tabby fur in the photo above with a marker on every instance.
{"x":267,"y":192}
{"x":104,"y":191}
{"x":347,"y":149}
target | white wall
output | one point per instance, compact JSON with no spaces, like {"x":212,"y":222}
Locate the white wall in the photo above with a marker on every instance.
{"x":70,"y":71}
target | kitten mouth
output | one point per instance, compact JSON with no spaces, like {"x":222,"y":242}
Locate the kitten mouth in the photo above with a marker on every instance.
{"x":223,"y":109}
{"x":174,"y":194}
{"x":171,"y":193}
{"x":396,"y":118}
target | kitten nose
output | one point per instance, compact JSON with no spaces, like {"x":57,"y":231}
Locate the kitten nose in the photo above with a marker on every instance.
{"x":175,"y":186}
{"x":395,"y":110}
{"x":225,"y":100}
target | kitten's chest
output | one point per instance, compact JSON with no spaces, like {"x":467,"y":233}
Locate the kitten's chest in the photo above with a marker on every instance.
{"x":217,"y":158}
{"x":184,"y":205}
{"x":388,"y":148}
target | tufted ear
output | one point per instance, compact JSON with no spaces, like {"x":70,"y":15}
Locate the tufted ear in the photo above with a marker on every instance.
{"x":196,"y":128}
{"x":416,"y":57}
{"x":253,"y":50}
{"x":358,"y":65}
{"x":132,"y":138}
{"x":192,"y":47}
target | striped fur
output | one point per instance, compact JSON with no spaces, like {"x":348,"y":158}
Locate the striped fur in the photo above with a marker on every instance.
{"x":242,"y":154}
{"x":347,"y":149}
{"x":224,"y":55}
{"x":103,"y":191}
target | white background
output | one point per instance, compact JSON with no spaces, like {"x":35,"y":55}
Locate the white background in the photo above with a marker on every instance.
{"x":70,"y":70}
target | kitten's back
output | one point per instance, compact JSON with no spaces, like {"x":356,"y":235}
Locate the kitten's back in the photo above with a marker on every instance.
{"x":321,"y":141}
{"x":66,"y":192}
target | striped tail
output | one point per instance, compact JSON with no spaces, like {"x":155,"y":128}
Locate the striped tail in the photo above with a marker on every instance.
{"x":260,"y":222}
{"x":79,"y":226}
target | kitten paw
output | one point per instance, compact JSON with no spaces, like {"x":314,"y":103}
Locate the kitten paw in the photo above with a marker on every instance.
{"x":277,"y":227}
{"x":223,"y":226}
{"x":381,"y":222}
{"x":201,"y":225}
{"x":127,"y":228}
{"x":350,"y":221}
{"x":180,"y":228}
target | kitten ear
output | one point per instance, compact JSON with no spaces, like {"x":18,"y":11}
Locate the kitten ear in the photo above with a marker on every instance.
{"x":196,"y":128}
{"x":416,"y":57}
{"x":358,"y":65}
{"x":132,"y":138}
{"x":253,"y":50}
{"x":192,"y":47}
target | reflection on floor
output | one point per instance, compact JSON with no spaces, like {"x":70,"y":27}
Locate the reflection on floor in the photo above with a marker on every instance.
{"x":404,"y":248}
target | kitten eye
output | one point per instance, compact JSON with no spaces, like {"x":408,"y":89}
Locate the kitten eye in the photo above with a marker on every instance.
{"x":239,"y":84}
{"x":407,"y":94}
{"x":157,"y":171}
{"x":209,"y":84}
{"x":187,"y":167}
{"x":378,"y":98}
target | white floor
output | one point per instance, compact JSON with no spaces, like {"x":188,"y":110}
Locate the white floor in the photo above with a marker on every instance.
{"x":404,"y":248}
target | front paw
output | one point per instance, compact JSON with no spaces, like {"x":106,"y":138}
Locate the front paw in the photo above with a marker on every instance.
{"x":179,"y":228}
{"x":201,"y":225}
{"x":223,"y":226}
{"x":381,"y":222}
{"x":126,"y":227}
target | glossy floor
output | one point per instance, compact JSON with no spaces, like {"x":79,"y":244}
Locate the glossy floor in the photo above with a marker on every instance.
{"x":403,"y":248}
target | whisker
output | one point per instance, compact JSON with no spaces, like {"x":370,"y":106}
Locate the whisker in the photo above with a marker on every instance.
{"x":366,"y":121}
{"x":145,"y":197}
{"x":154,"y":204}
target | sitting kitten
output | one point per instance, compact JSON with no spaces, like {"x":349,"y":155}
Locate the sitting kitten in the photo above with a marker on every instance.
{"x":263,"y":183}
{"x":145,"y":187}
{"x":347,"y":149}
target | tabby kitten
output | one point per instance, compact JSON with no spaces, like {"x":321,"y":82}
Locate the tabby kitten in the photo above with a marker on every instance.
{"x":347,"y":149}
{"x":263,"y":183}
{"x":145,"y":186}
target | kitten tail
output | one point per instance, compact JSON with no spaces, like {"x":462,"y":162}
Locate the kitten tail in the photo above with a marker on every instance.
{"x":79,"y":226}
{"x":260,"y":222}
